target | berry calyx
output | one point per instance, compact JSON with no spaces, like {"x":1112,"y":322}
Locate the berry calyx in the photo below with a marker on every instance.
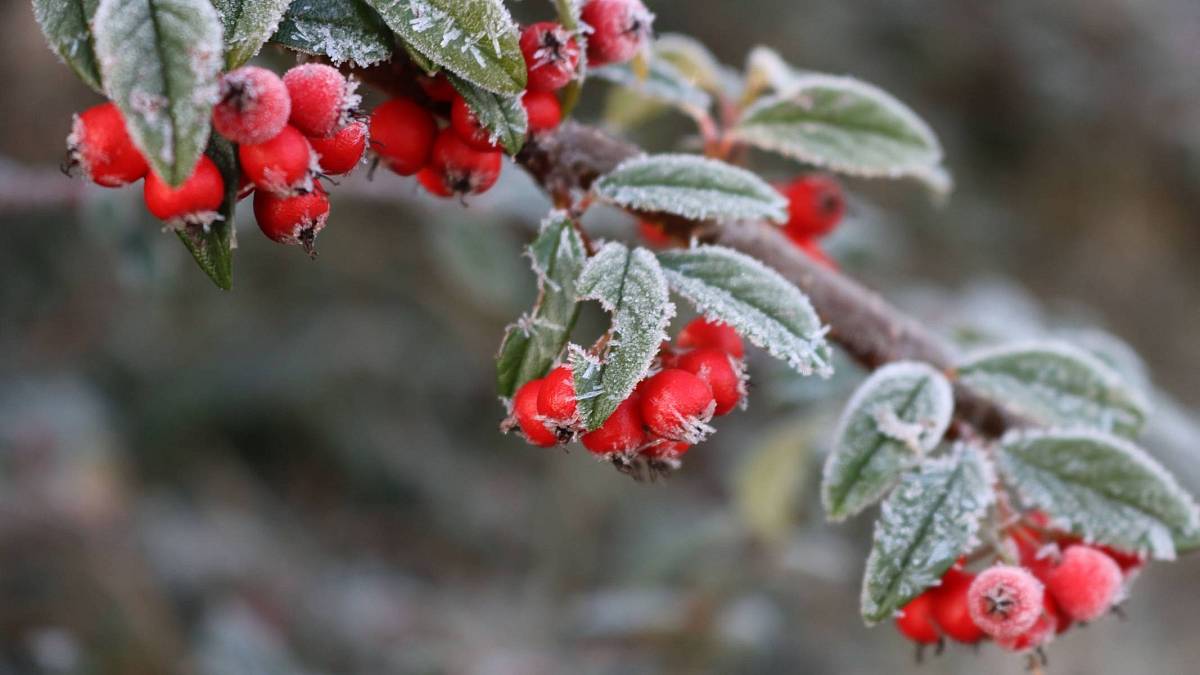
{"x":815,"y":206}
{"x":619,"y":29}
{"x":461,"y":169}
{"x":543,"y":111}
{"x":292,"y":220}
{"x":551,"y":55}
{"x":723,"y":374}
{"x":527,"y":418}
{"x":323,"y":100}
{"x":402,"y":134}
{"x":467,"y":126}
{"x":556,"y":400}
{"x":284,"y":165}
{"x":622,"y":433}
{"x":701,"y":333}
{"x":915,"y":620}
{"x":677,"y":405}
{"x":341,"y":152}
{"x":253,"y":107}
{"x":950,"y":609}
{"x":1005,"y":601}
{"x":100,"y":146}
{"x":1086,"y":583}
{"x":195,"y":202}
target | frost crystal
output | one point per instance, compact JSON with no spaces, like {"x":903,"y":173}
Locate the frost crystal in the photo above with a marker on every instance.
{"x":248,"y":25}
{"x":343,"y":30}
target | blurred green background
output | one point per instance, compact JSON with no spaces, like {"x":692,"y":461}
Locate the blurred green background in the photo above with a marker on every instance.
{"x":305,"y":475}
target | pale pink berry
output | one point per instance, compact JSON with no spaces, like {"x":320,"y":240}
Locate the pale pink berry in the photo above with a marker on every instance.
{"x":1042,"y":632}
{"x":254,"y":106}
{"x":1005,"y":601}
{"x":1086,"y":583}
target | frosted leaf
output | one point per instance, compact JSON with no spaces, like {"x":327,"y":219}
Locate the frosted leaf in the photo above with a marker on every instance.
{"x":630,"y":285}
{"x":898,"y":414}
{"x":65,"y":25}
{"x":663,"y":83}
{"x":693,"y":60}
{"x":160,"y":60}
{"x":766,"y":69}
{"x":346,"y":31}
{"x":535,"y":342}
{"x":474,"y":39}
{"x":1056,"y":384}
{"x":755,"y":300}
{"x":925,"y":524}
{"x":693,"y":187}
{"x":248,"y":25}
{"x":1101,"y":487}
{"x":844,"y":125}
{"x":212,"y":245}
{"x":503,"y":116}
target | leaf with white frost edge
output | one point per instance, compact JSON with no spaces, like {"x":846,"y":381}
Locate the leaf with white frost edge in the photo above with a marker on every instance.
{"x":504,"y":117}
{"x":345,"y":31}
{"x":64,"y":23}
{"x":693,"y":60}
{"x":212,"y":245}
{"x":629,"y":284}
{"x":755,"y":300}
{"x":693,"y":187}
{"x":925,"y":524}
{"x":664,"y":83}
{"x":1054,"y":383}
{"x":1101,"y":487}
{"x":160,"y":60}
{"x":248,"y":25}
{"x":895,"y":417}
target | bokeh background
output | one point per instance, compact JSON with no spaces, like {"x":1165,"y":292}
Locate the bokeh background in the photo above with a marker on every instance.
{"x":305,"y":475}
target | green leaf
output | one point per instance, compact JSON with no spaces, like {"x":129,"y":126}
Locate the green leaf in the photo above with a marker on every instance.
{"x":755,"y":300}
{"x":693,"y":187}
{"x":532,"y":346}
{"x":693,"y":60}
{"x":474,"y":39}
{"x":248,"y":25}
{"x":664,"y":83}
{"x":212,"y":245}
{"x":503,"y":116}
{"x":630,"y":285}
{"x":1055,"y":384}
{"x":1101,"y":487}
{"x":65,"y":23}
{"x":160,"y":60}
{"x":766,"y":69}
{"x":346,"y":31}
{"x":926,"y":523}
{"x":895,"y":417}
{"x":844,"y":125}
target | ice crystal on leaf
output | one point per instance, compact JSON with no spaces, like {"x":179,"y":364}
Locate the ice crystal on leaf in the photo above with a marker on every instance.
{"x":345,"y":31}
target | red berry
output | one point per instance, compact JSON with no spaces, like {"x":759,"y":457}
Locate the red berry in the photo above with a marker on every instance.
{"x":703,"y":333}
{"x":462,"y":169}
{"x":254,"y":105}
{"x":525,"y":411}
{"x":1037,"y":556}
{"x":619,"y":29}
{"x":551,"y":55}
{"x":677,"y":405}
{"x":723,"y":374}
{"x":623,"y":431}
{"x":916,"y":620}
{"x":323,"y":100}
{"x":950,"y":607}
{"x":292,"y":220}
{"x":467,"y":126}
{"x":1126,"y":561}
{"x":99,"y":144}
{"x":815,"y":206}
{"x":654,"y":234}
{"x":340,"y":153}
{"x":194,"y":202}
{"x":665,"y":449}
{"x":283,"y":165}
{"x":1086,"y":583}
{"x":543,"y":110}
{"x":437,"y":88}
{"x":1043,"y":630}
{"x":402,"y":134}
{"x":432,"y":182}
{"x":1005,"y":601}
{"x":556,"y":401}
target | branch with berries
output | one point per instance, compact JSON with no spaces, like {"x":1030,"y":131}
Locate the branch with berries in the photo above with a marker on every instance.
{"x":1014,"y":499}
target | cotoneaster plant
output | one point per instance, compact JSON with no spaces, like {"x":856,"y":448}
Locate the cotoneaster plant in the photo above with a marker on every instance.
{"x":1014,"y":500}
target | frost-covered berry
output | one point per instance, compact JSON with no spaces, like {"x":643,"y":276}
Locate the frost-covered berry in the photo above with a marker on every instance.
{"x":462,"y":169}
{"x":551,"y":55}
{"x":467,"y":126}
{"x":543,"y":111}
{"x":294,"y":220}
{"x":341,"y":152}
{"x":815,"y":206}
{"x":194,"y":202}
{"x":1005,"y":601}
{"x":724,"y":375}
{"x":100,"y":146}
{"x":1086,"y":583}
{"x":402,"y":134}
{"x":1041,"y":633}
{"x":526,"y":414}
{"x":556,"y":400}
{"x":915,"y":620}
{"x":323,"y":100}
{"x":619,"y":28}
{"x":702,"y":333}
{"x":254,"y":105}
{"x":623,"y":431}
{"x":677,"y":405}
{"x":950,"y":607}
{"x":284,"y":165}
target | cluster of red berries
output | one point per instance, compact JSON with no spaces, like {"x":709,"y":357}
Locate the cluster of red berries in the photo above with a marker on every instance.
{"x":1060,"y":581}
{"x":701,"y":376}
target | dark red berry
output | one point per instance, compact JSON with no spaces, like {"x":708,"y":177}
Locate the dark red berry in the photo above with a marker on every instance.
{"x":462,"y":169}
{"x":340,"y":153}
{"x":543,"y":110}
{"x":433,"y":183}
{"x":530,"y":423}
{"x":677,"y":405}
{"x":402,"y":134}
{"x":437,"y":88}
{"x":723,"y":374}
{"x":815,"y":206}
{"x":100,"y":146}
{"x":916,"y":620}
{"x":702,"y":333}
{"x":551,"y":55}
{"x":950,"y":610}
{"x":295,"y":220}
{"x":654,"y":234}
{"x":619,"y":28}
{"x":194,"y":202}
{"x":283,"y":165}
{"x":623,"y":431}
{"x":254,"y":106}
{"x":467,"y":126}
{"x":323,"y":100}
